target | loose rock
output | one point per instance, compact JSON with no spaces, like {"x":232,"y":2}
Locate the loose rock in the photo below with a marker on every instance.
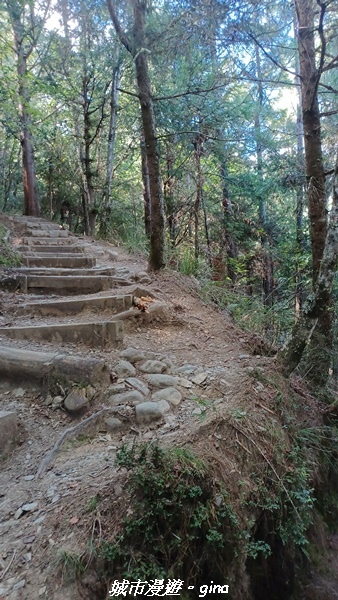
{"x":142,"y":277}
{"x":132,"y":397}
{"x":125,"y":369}
{"x":199,"y":378}
{"x":163,"y":381}
{"x":184,"y":382}
{"x":112,"y":424}
{"x":169,"y":394}
{"x":76,"y":401}
{"x":169,"y":363}
{"x":187,"y":369}
{"x":153,"y":366}
{"x":164,"y":406}
{"x":117,"y":388}
{"x":135,"y":355}
{"x":57,"y":402}
{"x":148,"y":412}
{"x":138,"y":385}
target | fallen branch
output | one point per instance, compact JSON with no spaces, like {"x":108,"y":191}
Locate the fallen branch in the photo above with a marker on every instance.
{"x":49,"y":457}
{"x":8,"y":566}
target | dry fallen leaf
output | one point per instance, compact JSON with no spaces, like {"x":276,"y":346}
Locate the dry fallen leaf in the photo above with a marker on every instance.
{"x":74,"y":520}
{"x":143,"y":302}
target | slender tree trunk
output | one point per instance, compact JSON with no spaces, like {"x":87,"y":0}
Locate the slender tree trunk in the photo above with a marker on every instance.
{"x":146,"y":190}
{"x":137,"y":48}
{"x":169,"y":194}
{"x":314,"y":329}
{"x":199,"y":193}
{"x":267,"y":260}
{"x":206,"y":229}
{"x":157,"y":243}
{"x":84,"y":193}
{"x":88,"y":172}
{"x":87,"y":140}
{"x":31,"y":199}
{"x":309,"y":78}
{"x":112,"y":131}
{"x":299,"y":291}
{"x":228,"y":242}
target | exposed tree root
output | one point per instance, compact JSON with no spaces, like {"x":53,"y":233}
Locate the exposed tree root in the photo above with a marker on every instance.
{"x":68,"y":433}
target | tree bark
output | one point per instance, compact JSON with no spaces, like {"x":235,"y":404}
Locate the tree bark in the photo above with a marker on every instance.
{"x":314,"y":329}
{"x":112,"y":131}
{"x":315,"y":172}
{"x":199,"y":193}
{"x":169,"y":194}
{"x":146,"y":190}
{"x":31,"y":199}
{"x":137,"y":48}
{"x":267,"y":260}
{"x":299,"y":291}
{"x":228,"y":242}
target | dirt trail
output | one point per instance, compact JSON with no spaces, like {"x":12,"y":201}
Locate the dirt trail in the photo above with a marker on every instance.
{"x":213,"y":358}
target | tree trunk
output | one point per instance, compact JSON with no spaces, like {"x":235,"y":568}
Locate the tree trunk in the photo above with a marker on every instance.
{"x":309,"y":79}
{"x":112,"y":131}
{"x":313,"y":331}
{"x":137,"y":48}
{"x":84,"y":201}
{"x":267,"y":260}
{"x":228,"y":242}
{"x":199,"y":192}
{"x":88,"y":170}
{"x":314,"y":328}
{"x":157,"y":243}
{"x":169,"y":194}
{"x":31,"y":199}
{"x":299,"y":291}
{"x":146,"y":190}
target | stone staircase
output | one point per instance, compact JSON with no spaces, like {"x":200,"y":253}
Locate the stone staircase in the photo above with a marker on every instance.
{"x":58,"y":264}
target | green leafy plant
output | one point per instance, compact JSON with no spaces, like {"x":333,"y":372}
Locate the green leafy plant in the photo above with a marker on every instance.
{"x":8,"y":256}
{"x":175,"y":525}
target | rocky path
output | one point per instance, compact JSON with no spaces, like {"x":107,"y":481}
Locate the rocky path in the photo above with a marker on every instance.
{"x":87,"y":335}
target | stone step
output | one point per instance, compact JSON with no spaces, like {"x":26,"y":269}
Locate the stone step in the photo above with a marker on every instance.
{"x":50,"y":250}
{"x":52,"y":271}
{"x":95,"y":334}
{"x":26,"y":366}
{"x":71,"y":307}
{"x":49,"y":233}
{"x":64,"y":285}
{"x":48,"y":241}
{"x":31,"y":225}
{"x":65,"y":262}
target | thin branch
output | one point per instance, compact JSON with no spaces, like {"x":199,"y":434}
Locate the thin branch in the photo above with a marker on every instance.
{"x":123,"y":91}
{"x":121,"y":34}
{"x":328,"y":87}
{"x":35,"y":38}
{"x":329,"y":113}
{"x":274,"y":61}
{"x":322,"y":50}
{"x":331,"y":65}
{"x":190,"y":92}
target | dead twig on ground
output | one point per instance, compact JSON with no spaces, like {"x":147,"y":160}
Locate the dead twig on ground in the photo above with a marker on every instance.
{"x":70,"y":432}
